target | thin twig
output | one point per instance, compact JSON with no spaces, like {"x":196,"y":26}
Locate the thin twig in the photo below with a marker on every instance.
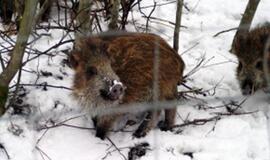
{"x":78,"y":127}
{"x":42,"y":85}
{"x":163,"y":20}
{"x":42,"y":153}
{"x":59,"y":123}
{"x":116,"y":148}
{"x":201,"y":121}
{"x":190,"y":48}
{"x":159,"y":5}
{"x":149,"y":15}
{"x":41,"y":137}
{"x":228,"y":30}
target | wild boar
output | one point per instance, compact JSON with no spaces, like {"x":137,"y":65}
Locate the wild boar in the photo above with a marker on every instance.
{"x":252,"y":52}
{"x":114,"y":69}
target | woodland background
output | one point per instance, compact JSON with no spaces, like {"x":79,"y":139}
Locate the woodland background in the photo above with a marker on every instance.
{"x":41,"y":121}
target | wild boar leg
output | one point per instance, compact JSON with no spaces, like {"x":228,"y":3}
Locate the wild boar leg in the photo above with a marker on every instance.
{"x":169,"y":121}
{"x":103,"y":124}
{"x":147,"y":124}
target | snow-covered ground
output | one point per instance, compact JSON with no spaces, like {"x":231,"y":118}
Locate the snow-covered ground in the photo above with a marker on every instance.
{"x":237,"y":137}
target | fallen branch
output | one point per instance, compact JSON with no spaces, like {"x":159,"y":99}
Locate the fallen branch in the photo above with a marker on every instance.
{"x":201,"y":121}
{"x":54,"y":125}
{"x":218,"y":115}
{"x":44,"y":85}
{"x":118,"y":149}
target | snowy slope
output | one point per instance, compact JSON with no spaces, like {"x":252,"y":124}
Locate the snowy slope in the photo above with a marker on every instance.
{"x":239,"y":137}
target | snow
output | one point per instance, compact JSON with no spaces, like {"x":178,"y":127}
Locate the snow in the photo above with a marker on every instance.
{"x":239,"y":137}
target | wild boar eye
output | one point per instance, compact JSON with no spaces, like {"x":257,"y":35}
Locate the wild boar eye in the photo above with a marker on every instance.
{"x":91,"y":71}
{"x":259,"y":65}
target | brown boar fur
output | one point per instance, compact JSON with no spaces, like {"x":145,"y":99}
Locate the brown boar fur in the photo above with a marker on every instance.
{"x":131,"y":57}
{"x":252,"y":54}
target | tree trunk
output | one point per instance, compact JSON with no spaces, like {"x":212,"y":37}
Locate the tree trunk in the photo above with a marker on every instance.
{"x":177,"y":24}
{"x":44,"y":11}
{"x":126,"y":7}
{"x":114,"y":15}
{"x":19,"y":8}
{"x":83,"y":19}
{"x":246,"y":20}
{"x":17,"y":54}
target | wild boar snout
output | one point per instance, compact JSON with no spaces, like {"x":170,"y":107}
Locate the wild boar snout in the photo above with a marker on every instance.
{"x":113,"y":90}
{"x":247,"y":87}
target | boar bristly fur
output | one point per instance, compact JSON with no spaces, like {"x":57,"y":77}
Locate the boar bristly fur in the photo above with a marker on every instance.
{"x":129,"y":59}
{"x":252,"y":52}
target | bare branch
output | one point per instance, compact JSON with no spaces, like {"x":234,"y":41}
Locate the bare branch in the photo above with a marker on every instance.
{"x":18,"y":52}
{"x":147,"y":16}
{"x":227,"y":30}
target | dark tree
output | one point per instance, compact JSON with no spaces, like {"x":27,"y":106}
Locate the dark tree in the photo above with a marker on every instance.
{"x":177,"y":24}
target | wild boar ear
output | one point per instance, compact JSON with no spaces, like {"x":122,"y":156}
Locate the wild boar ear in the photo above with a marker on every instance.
{"x":74,"y":58}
